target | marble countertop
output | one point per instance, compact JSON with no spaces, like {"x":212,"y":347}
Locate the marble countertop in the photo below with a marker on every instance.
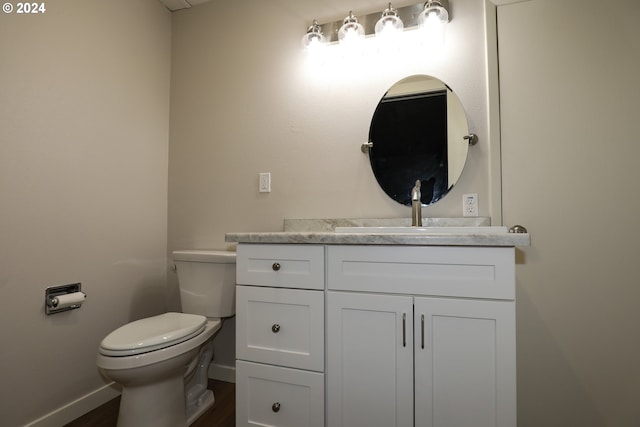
{"x":322,"y":232}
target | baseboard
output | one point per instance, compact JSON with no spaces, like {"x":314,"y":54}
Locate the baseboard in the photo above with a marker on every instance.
{"x":222,"y":373}
{"x":77,"y":408}
{"x":90,"y":401}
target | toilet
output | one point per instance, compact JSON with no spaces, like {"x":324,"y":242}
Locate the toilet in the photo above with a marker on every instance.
{"x":161,"y":362}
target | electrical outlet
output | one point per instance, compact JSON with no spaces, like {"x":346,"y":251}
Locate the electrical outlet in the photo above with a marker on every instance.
{"x":265,"y":182}
{"x":470,"y":205}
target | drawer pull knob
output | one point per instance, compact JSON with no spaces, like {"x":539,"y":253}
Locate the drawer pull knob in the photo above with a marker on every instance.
{"x":275,"y":328}
{"x":275,"y":407}
{"x":276,"y":266}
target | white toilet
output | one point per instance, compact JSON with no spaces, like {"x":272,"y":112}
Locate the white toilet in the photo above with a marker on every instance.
{"x":161,"y":362}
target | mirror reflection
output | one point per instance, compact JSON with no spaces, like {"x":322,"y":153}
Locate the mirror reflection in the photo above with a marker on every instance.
{"x":417,"y":133}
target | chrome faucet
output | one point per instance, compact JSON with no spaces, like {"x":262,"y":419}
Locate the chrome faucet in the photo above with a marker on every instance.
{"x":416,"y":206}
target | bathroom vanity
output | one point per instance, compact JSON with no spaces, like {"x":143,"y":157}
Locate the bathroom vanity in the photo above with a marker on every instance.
{"x":376,"y":329}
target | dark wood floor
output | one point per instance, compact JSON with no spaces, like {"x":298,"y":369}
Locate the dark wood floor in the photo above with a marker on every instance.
{"x":222,"y":414}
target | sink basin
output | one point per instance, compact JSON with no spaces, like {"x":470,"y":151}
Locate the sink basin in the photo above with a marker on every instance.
{"x":425,"y":230}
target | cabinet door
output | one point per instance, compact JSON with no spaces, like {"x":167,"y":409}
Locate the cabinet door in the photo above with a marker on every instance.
{"x":369,"y":360}
{"x":464,"y":363}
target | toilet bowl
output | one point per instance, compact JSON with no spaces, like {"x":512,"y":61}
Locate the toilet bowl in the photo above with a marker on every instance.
{"x":161,"y":362}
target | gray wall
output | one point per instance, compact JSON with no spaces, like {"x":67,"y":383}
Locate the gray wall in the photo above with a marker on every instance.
{"x":569,"y":90}
{"x":84,"y":131}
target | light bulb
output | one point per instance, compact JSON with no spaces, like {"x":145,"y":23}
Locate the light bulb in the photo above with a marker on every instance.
{"x":314,"y":39}
{"x":432,"y":22}
{"x":433,"y":11}
{"x":389,"y":23}
{"x":351,"y":31}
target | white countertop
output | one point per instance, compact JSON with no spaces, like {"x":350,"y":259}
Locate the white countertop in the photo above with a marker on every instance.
{"x":321,"y":233}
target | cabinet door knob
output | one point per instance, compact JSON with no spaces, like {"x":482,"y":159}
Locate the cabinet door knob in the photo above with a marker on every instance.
{"x":276,"y":266}
{"x":275,"y":328}
{"x":275,"y":407}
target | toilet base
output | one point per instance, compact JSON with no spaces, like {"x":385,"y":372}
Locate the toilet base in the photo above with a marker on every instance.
{"x":198,"y":397}
{"x":206,"y":401}
{"x":158,"y":404}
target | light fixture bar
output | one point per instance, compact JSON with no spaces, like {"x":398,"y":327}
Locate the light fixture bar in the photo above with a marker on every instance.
{"x":408,"y":14}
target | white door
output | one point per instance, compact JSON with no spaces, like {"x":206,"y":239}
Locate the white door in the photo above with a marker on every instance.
{"x":369,"y":360}
{"x":464,"y":363}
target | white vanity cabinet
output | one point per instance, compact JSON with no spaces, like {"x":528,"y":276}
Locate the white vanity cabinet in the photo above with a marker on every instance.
{"x":420,"y":336}
{"x":280,"y":335}
{"x":375,"y":335}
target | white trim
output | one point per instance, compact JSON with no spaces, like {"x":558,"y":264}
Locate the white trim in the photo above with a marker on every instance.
{"x":493,"y":112}
{"x":493,"y":107}
{"x":222,"y":373}
{"x":78,"y":407}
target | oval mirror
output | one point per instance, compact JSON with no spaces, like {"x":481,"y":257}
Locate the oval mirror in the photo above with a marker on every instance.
{"x":418,"y":132}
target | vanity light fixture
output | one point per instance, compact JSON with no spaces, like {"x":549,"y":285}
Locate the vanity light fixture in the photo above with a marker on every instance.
{"x":351,"y":31}
{"x":392,"y":20}
{"x":314,"y":37}
{"x":389,"y":24}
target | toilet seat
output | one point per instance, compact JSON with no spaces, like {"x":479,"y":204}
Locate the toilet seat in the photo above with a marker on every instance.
{"x":152,"y":333}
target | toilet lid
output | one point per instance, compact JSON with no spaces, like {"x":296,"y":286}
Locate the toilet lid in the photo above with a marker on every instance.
{"x":152,"y":333}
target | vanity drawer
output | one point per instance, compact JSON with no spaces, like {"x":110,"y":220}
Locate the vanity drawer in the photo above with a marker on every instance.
{"x":285,"y":266}
{"x":477,"y":272}
{"x":280,"y":326}
{"x":275,"y":396}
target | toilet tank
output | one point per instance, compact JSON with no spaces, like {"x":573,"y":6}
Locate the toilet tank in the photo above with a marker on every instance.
{"x":207,"y":282}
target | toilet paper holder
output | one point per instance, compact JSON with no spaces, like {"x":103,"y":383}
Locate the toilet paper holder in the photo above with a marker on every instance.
{"x":63,"y":298}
